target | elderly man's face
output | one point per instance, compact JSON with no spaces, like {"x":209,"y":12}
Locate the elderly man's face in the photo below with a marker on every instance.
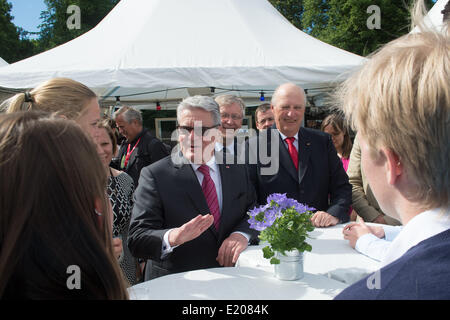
{"x":231,"y":116}
{"x":264,"y":119}
{"x":289,"y":110}
{"x":195,"y":146}
{"x":129,"y":130}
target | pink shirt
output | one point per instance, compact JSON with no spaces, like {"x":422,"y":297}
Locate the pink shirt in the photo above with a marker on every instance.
{"x":345,"y":162}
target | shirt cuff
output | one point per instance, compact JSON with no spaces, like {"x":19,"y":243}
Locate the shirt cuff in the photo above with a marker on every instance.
{"x":363,"y":243}
{"x":166,"y":248}
{"x":390,"y":232}
{"x":247,"y":236}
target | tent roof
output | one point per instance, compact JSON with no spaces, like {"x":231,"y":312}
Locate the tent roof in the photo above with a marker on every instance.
{"x":3,"y":62}
{"x":434,"y":18}
{"x":157,"y":46}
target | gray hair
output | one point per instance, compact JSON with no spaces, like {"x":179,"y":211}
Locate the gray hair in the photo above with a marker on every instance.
{"x":204,"y":102}
{"x":229,"y":99}
{"x":129,"y":114}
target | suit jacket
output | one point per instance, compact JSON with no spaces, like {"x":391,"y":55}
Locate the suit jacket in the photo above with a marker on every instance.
{"x":320,"y":182}
{"x":421,"y":273}
{"x":170,"y":195}
{"x":148,"y":151}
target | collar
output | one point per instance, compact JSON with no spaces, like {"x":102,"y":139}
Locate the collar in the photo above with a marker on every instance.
{"x":284,"y":137}
{"x":219,"y":147}
{"x":212,"y":164}
{"x":423,"y":226}
{"x":138,"y":136}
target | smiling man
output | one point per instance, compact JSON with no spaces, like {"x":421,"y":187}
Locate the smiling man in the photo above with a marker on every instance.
{"x":141,"y":148}
{"x":190,"y":212}
{"x":309,"y":168}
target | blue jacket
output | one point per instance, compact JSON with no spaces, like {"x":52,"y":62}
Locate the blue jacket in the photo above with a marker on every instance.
{"x":422,"y":273}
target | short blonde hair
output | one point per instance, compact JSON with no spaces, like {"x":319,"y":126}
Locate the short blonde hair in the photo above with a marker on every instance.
{"x":400,"y":99}
{"x":63,"y":96}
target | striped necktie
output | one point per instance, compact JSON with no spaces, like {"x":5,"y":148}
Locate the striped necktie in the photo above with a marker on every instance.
{"x":209,"y":190}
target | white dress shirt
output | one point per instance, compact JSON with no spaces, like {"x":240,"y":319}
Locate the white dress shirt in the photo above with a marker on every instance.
{"x":284,"y":140}
{"x":374,"y":247}
{"x":230,"y":148}
{"x":423,"y":226}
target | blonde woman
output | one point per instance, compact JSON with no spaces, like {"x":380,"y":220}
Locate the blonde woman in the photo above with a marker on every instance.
{"x":66,"y":97}
{"x":399,"y":103}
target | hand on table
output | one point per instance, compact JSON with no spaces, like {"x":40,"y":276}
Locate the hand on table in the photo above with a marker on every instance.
{"x":230,"y":249}
{"x":190,"y":230}
{"x":353,"y":231}
{"x":323,"y":219}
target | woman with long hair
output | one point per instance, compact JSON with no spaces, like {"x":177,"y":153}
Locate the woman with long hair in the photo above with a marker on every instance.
{"x":55,"y":218}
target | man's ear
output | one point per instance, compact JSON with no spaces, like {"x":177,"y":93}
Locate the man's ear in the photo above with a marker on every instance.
{"x":394,"y":167}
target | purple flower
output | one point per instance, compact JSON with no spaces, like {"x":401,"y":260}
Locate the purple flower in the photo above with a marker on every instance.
{"x":263,"y":217}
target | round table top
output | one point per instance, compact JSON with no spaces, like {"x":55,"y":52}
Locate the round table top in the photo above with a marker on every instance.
{"x":235,"y":284}
{"x":331,"y":256}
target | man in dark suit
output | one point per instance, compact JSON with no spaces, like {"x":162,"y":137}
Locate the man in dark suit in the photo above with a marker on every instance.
{"x":141,"y":148}
{"x":303,"y":162}
{"x":191,"y":212}
{"x":232,"y":112}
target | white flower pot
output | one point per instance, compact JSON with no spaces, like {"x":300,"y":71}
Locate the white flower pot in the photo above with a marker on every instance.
{"x":290,"y":266}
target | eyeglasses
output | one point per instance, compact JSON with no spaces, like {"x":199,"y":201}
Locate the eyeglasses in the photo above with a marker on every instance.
{"x":234,"y":117}
{"x":197,"y":130}
{"x":266,"y":120}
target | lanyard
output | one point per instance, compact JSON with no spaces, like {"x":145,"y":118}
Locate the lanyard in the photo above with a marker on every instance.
{"x":127,"y":158}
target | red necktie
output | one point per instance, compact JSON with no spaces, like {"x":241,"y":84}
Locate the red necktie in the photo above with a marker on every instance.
{"x":209,"y":190}
{"x":292,"y":151}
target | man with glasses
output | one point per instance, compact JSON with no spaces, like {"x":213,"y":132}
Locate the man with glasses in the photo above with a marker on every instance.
{"x":231,"y":113}
{"x":264,"y":116}
{"x":190,"y":211}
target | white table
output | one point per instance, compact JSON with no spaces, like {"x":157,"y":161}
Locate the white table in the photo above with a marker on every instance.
{"x":331,"y":256}
{"x":235,"y":284}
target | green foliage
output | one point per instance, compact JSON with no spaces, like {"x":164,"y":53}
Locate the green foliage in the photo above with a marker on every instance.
{"x":287,"y":233}
{"x":343,"y":23}
{"x":291,"y":10}
{"x":54,"y":31}
{"x":14,"y":45}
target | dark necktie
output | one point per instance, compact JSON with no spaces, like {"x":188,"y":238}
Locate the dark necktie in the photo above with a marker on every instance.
{"x":292,"y":151}
{"x":209,"y":190}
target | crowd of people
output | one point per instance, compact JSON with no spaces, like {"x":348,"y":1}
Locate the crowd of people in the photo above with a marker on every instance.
{"x":68,"y":210}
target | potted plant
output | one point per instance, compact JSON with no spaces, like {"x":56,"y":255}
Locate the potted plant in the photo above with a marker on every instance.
{"x":284,"y":224}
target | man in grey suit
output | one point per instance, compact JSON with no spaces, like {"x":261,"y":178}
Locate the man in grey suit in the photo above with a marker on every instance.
{"x":191,"y":212}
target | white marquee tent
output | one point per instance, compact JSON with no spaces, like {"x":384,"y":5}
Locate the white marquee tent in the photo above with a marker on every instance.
{"x":434,"y":18}
{"x":3,"y":62}
{"x":145,"y":51}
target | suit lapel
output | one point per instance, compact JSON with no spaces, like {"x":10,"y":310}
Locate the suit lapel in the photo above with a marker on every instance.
{"x":188,"y":179}
{"x":226,"y":173}
{"x":304,"y":146}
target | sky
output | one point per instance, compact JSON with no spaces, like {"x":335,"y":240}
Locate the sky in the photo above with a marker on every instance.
{"x":26,"y":13}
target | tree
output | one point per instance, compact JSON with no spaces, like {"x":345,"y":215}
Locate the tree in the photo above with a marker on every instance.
{"x":14,"y":45}
{"x":54,"y":29}
{"x":349,"y":25}
{"x":292,"y":10}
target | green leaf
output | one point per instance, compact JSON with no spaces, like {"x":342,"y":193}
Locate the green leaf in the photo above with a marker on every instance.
{"x":268,"y":253}
{"x":274,"y":261}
